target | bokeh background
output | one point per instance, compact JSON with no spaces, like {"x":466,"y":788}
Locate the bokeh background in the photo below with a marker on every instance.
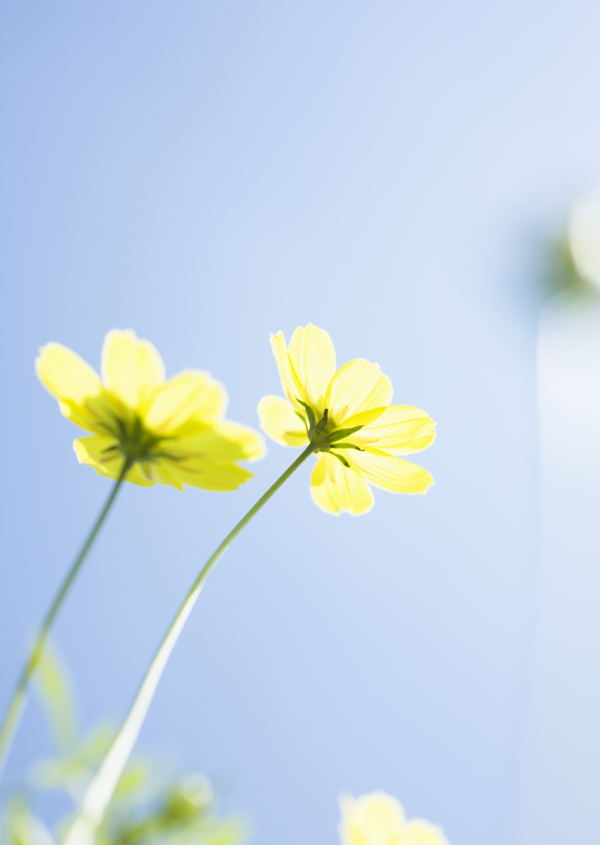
{"x":210,"y":172}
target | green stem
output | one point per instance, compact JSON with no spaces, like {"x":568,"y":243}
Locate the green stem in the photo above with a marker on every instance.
{"x":17,"y":702}
{"x":103,"y":784}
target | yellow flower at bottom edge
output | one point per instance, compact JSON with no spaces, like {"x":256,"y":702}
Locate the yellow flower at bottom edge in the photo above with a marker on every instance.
{"x":347,"y":415}
{"x":172,"y":432}
{"x":379,"y":819}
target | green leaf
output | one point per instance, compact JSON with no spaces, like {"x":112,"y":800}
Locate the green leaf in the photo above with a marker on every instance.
{"x":341,"y":459}
{"x":56,"y":693}
{"x":310,"y":413}
{"x":24,"y":828}
{"x":342,"y":433}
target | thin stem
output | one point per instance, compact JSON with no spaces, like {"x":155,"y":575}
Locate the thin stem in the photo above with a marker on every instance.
{"x":17,"y":702}
{"x":103,"y":784}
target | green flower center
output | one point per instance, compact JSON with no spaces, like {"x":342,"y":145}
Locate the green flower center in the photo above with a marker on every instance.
{"x":325,"y":436}
{"x":134,"y":441}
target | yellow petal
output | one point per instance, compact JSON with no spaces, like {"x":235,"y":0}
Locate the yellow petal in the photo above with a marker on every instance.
{"x":96,"y":414}
{"x":132,"y":369}
{"x":313,"y":359}
{"x":226,"y":441}
{"x":66,"y":375}
{"x":363,"y":418}
{"x":388,"y":472}
{"x":400,"y":430}
{"x":165,"y":472}
{"x":209,"y":475}
{"x":290,"y":382}
{"x":335,"y":488}
{"x":279,"y":420}
{"x":374,"y":819}
{"x":143,"y":475}
{"x":357,"y":386}
{"x":420,"y":832}
{"x":250,"y":443}
{"x":82,"y":397}
{"x":101,"y":453}
{"x":189,"y":396}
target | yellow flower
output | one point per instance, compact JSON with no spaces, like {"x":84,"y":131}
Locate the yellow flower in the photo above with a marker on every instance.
{"x":379,"y":819}
{"x":171,"y":432}
{"x":346,"y":415}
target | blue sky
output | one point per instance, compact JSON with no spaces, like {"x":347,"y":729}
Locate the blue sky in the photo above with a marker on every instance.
{"x":208,"y":173}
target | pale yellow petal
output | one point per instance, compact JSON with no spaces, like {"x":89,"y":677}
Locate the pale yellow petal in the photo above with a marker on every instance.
{"x":279,"y":420}
{"x":363,"y":418}
{"x":336,"y":488}
{"x":189,"y":396}
{"x":225,"y":441}
{"x":389,"y":472}
{"x":400,"y":430}
{"x":373,"y":819}
{"x":66,"y":375}
{"x":132,"y":369}
{"x":313,"y":359}
{"x":420,"y":832}
{"x":209,"y":475}
{"x":165,"y":472}
{"x":144,"y":474}
{"x":97,"y":414}
{"x":290,"y":382}
{"x":357,"y":386}
{"x":100,"y":453}
{"x":79,"y":391}
{"x":250,"y":442}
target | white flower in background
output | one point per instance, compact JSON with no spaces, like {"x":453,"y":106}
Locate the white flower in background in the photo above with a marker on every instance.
{"x":584,"y":237}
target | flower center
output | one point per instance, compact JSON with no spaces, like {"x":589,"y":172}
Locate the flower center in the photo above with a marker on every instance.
{"x":135,"y":441}
{"x":325,"y":437}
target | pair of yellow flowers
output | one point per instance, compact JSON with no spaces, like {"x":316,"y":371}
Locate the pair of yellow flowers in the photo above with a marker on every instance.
{"x":174,"y":431}
{"x":147,"y":430}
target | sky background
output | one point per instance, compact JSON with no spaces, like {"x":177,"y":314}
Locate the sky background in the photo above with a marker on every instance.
{"x":207,"y":173}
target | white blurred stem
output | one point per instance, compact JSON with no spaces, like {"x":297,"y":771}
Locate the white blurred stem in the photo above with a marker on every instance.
{"x":560,"y":780}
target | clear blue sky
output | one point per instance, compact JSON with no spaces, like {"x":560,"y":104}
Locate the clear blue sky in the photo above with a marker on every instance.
{"x":210,"y":172}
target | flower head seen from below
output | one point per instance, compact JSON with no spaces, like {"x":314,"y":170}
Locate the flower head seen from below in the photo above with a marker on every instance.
{"x":168,"y":432}
{"x":347,"y":417}
{"x":379,"y":819}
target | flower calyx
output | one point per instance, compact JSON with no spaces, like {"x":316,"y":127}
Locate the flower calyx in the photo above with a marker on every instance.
{"x":134,"y":441}
{"x":324,"y":440}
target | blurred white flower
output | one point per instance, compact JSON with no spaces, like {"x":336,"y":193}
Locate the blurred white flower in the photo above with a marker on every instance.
{"x":584,"y":237}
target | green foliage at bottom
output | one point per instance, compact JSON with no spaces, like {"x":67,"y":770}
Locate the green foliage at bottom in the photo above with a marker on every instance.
{"x":149,"y":807}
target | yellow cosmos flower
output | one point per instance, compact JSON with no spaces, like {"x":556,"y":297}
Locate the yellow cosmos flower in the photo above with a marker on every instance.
{"x":170,"y":432}
{"x":379,"y":819}
{"x":346,"y":415}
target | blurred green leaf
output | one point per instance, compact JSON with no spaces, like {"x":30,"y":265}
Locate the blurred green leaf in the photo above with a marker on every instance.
{"x":71,"y":772}
{"x":134,"y":778}
{"x":149,"y":806}
{"x":55,"y":688}
{"x":22,"y":827}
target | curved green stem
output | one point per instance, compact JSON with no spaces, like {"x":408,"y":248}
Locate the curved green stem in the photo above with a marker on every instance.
{"x":17,"y":702}
{"x":102,"y":786}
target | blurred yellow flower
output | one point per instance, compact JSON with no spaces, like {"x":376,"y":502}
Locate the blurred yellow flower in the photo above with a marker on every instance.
{"x":346,"y":414}
{"x":379,"y":819}
{"x":170,"y":432}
